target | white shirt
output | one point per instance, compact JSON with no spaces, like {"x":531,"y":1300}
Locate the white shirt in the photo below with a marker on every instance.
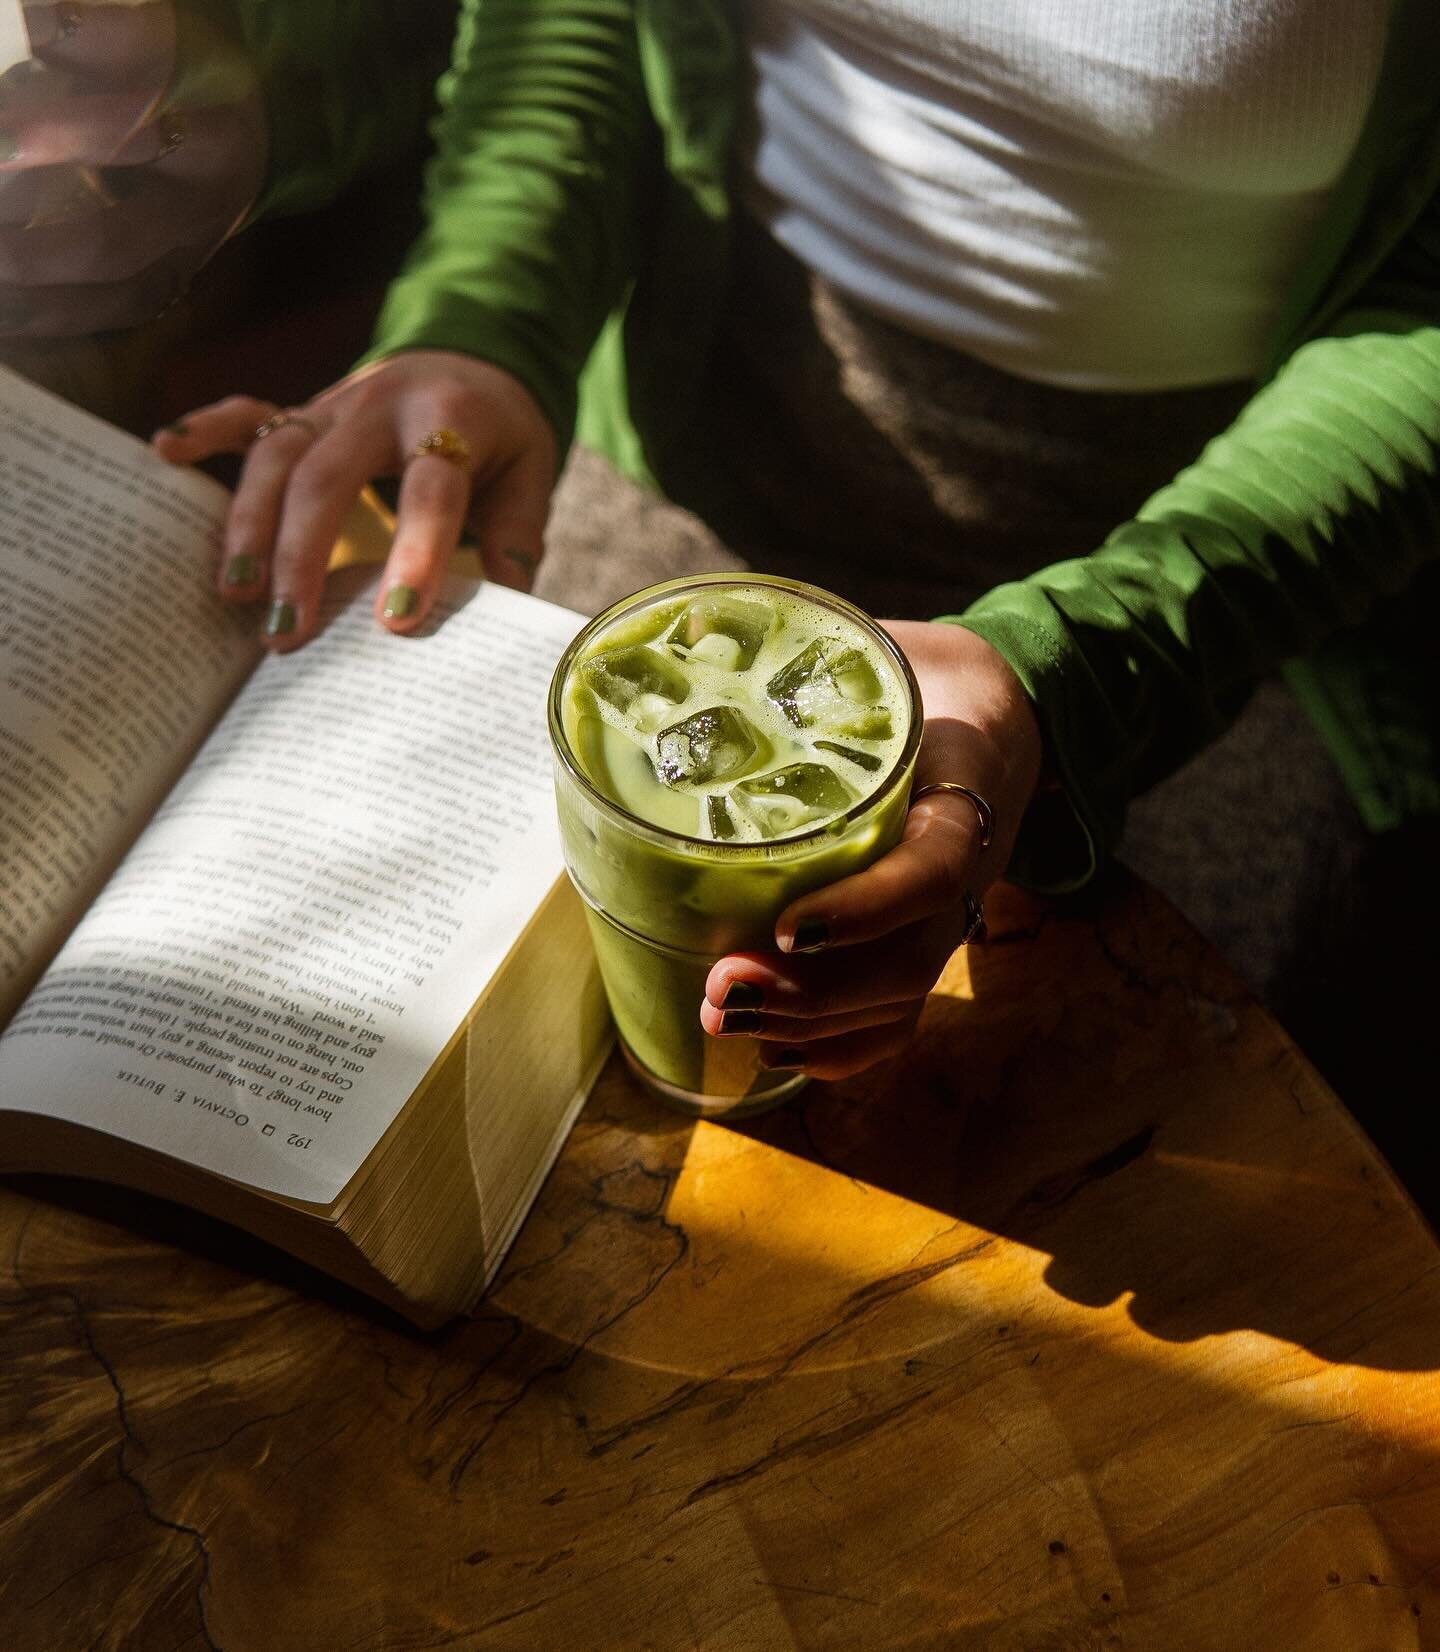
{"x":1093,"y":193}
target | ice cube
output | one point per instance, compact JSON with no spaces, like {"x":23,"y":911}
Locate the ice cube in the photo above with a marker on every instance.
{"x":723,"y":631}
{"x":788,"y":799}
{"x":715,"y":744}
{"x":831,"y":684}
{"x":717,"y":814}
{"x":862,"y":759}
{"x":625,"y":677}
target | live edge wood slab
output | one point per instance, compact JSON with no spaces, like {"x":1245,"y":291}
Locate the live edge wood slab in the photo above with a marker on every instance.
{"x":1093,"y":1323}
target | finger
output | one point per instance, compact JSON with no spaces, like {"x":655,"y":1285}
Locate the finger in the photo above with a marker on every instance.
{"x":792,"y":1029}
{"x":19,"y":194}
{"x":928,"y":872}
{"x":895,"y":969}
{"x":841,"y":1057}
{"x":254,"y":517}
{"x":94,"y":130}
{"x":227,"y":426}
{"x":64,"y":311}
{"x":91,"y":241}
{"x":323,"y":485}
{"x":118,"y":44}
{"x":434,"y":495}
{"x":508,"y":519}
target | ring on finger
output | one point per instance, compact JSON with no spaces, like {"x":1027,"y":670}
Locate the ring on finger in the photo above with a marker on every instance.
{"x":278,"y":420}
{"x":445,"y":444}
{"x":982,"y":808}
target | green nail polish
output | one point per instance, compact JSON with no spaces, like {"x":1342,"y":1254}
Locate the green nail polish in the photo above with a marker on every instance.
{"x":178,"y":428}
{"x":743,"y":995}
{"x":400,"y":602}
{"x":9,"y":147}
{"x":280,"y":621}
{"x":785,"y":1061}
{"x":242,"y":570}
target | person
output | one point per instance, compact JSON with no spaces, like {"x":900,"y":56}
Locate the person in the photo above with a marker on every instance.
{"x":1054,"y":238}
{"x":140,"y":138}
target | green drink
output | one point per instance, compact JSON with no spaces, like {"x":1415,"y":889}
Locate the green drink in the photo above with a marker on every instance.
{"x":722,"y":746}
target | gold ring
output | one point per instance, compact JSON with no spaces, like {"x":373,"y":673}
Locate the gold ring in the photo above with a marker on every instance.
{"x":449,"y":445}
{"x":278,"y":420}
{"x":982,"y":808}
{"x":172,"y":127}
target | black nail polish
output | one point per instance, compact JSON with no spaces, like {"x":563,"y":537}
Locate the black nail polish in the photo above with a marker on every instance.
{"x":785,"y":1061}
{"x":739,"y":1021}
{"x":743,"y":995}
{"x":810,"y":935}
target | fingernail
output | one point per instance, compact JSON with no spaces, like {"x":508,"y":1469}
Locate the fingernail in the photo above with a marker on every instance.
{"x":743,"y":995}
{"x":810,"y":935}
{"x":280,"y":621}
{"x":9,"y":147}
{"x":739,"y":1021}
{"x":524,"y":560}
{"x":784,"y":1060}
{"x":178,"y":428}
{"x":242,"y":570}
{"x":400,"y":602}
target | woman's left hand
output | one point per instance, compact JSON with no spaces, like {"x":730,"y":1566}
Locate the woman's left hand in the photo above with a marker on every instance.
{"x":858,"y":957}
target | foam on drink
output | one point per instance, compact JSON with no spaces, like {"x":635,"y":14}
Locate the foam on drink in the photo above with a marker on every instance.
{"x":740,"y":714}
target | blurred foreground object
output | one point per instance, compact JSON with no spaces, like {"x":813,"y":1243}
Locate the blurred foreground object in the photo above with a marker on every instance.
{"x":141,"y":136}
{"x":131,"y":144}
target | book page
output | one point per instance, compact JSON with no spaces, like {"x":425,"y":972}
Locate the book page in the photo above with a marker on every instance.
{"x":317,"y":905}
{"x":115,"y":657}
{"x":14,"y":36}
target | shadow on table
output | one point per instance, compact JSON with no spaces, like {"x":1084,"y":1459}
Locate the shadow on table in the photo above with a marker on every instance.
{"x":1113,"y":1097}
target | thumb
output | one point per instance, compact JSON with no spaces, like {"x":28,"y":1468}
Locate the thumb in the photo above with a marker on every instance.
{"x":508,"y":520}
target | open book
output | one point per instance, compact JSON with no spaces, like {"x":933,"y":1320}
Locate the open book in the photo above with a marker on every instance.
{"x":283,"y":938}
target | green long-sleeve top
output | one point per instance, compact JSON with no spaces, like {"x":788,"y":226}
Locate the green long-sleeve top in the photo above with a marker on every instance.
{"x":577,"y":218}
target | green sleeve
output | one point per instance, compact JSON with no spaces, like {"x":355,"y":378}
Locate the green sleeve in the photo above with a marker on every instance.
{"x":1319,"y":502}
{"x":545,"y":159}
{"x":348,"y":84}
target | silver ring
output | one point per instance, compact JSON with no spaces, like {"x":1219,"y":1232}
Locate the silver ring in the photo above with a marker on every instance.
{"x":982,"y":808}
{"x":278,"y":421}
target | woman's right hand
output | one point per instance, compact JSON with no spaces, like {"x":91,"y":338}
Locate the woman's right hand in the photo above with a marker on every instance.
{"x":300,"y":479}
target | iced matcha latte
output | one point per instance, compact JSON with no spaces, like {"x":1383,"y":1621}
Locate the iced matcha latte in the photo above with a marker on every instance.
{"x":723,"y":745}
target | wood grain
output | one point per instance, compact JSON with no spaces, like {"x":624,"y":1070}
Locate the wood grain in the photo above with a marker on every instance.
{"x":1093,"y":1323}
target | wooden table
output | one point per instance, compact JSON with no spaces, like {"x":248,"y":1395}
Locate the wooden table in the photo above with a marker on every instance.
{"x":1095,"y":1323}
